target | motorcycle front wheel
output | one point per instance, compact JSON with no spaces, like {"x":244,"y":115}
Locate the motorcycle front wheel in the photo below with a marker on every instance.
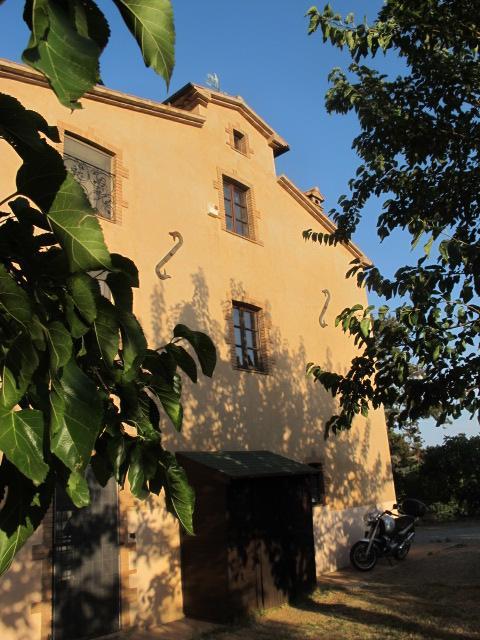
{"x":362,"y":560}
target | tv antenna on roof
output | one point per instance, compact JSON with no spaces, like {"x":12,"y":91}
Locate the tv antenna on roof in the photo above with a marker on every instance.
{"x":213,"y":81}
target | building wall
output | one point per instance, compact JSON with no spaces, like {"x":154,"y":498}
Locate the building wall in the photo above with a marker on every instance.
{"x":168,"y":179}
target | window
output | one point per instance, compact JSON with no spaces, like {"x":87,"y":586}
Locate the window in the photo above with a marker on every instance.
{"x":239,"y":141}
{"x":317,"y":484}
{"x":236,"y":210}
{"x":92,"y":167}
{"x":247,"y":337}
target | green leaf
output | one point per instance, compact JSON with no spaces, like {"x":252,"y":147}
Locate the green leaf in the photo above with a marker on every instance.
{"x":106,"y":331}
{"x":18,"y":368}
{"x":65,"y":45}
{"x":151,"y":23}
{"x":117,"y":450}
{"x":77,"y":230}
{"x":184,"y":360}
{"x":180,"y":497}
{"x":77,"y":489}
{"x":24,"y":509}
{"x":202,"y":345}
{"x":25,"y":213}
{"x":365,"y":327}
{"x":82,"y":290}
{"x":60,"y":343}
{"x":121,"y":289}
{"x":13,"y":299}
{"x":136,"y":474}
{"x":76,"y":417}
{"x":134,"y":344}
{"x":20,"y":127}
{"x":127,"y":267}
{"x":427,"y":247}
{"x":169,"y":396}
{"x":21,"y":440}
{"x":77,"y":327}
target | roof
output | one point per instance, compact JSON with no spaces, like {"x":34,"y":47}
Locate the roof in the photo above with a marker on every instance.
{"x":235,"y":465}
{"x":191,"y":95}
{"x":178,"y":108}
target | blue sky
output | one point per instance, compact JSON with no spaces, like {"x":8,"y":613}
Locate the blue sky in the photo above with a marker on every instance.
{"x":261,"y":51}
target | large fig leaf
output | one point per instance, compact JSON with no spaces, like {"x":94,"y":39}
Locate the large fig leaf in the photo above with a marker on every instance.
{"x":60,"y":344}
{"x":151,"y":23}
{"x":77,"y":230}
{"x":106,"y":331}
{"x":21,"y":440}
{"x":180,"y":497}
{"x":76,"y":417}
{"x":13,"y":299}
{"x":65,"y":45}
{"x":18,"y":367}
{"x":202,"y":345}
{"x":82,"y":290}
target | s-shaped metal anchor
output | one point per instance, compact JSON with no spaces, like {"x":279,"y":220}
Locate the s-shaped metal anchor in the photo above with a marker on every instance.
{"x":324,"y":308}
{"x":176,"y":235}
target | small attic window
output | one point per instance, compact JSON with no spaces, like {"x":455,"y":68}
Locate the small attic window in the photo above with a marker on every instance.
{"x":239,"y":141}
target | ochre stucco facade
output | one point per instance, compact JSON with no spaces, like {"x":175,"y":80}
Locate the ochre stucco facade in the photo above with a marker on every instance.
{"x":168,"y":163}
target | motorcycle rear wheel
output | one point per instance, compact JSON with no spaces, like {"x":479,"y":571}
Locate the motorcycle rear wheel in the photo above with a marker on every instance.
{"x":402,"y":553}
{"x":359,"y":557}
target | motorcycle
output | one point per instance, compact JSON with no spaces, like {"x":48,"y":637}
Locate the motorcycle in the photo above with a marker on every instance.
{"x":388,"y":534}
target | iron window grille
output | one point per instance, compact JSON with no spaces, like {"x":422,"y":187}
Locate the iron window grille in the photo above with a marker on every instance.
{"x":93,"y":170}
{"x":248,"y":354}
{"x":236,"y":209}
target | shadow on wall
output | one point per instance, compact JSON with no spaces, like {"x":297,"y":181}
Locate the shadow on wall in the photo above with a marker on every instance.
{"x":281,"y":412}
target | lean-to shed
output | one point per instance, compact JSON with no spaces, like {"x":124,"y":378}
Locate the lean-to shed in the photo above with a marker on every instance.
{"x":253,"y":546}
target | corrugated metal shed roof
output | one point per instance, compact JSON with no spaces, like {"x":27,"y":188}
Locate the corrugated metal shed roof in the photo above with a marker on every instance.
{"x":248,"y":464}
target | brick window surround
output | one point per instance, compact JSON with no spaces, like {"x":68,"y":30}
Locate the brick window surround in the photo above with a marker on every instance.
{"x":235,"y":203}
{"x":248,"y":336}
{"x":240,"y":141}
{"x":245,"y":209}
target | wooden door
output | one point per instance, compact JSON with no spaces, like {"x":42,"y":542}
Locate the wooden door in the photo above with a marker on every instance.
{"x":86,"y":588}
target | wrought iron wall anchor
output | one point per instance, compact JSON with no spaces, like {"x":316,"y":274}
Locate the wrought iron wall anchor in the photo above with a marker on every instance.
{"x":324,"y":308}
{"x":176,"y":235}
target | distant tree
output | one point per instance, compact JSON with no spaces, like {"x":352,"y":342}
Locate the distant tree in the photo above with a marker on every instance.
{"x":406,"y":456}
{"x":79,"y":384}
{"x":450,"y":473}
{"x":419,"y":149}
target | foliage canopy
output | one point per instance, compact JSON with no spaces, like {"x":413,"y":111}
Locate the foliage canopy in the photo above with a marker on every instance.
{"x":419,"y":150}
{"x":79,"y":384}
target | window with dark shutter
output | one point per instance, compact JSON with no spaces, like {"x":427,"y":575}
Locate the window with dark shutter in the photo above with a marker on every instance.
{"x":239,"y":141}
{"x":248,"y":352}
{"x":236,"y":208}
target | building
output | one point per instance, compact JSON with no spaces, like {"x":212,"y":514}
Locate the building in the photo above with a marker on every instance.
{"x":202,"y":165}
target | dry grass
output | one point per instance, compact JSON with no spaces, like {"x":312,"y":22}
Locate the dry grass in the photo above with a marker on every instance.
{"x":337,"y":614}
{"x":433,"y":596}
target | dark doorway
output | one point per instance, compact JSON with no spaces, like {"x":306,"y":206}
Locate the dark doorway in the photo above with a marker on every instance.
{"x":253,"y":546}
{"x":86,"y":587}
